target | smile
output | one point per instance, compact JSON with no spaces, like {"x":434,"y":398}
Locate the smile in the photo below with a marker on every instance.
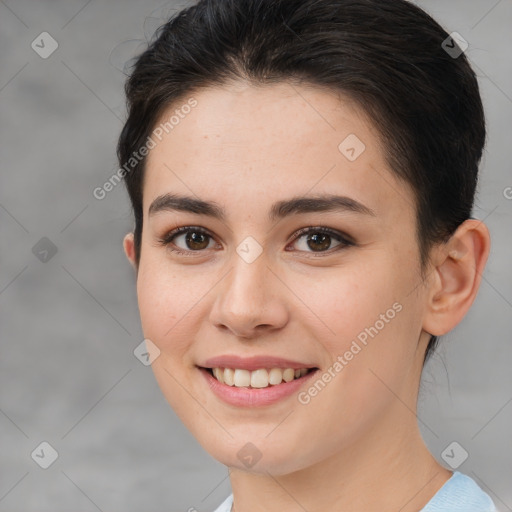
{"x":260,"y":378}
{"x":255,"y":388}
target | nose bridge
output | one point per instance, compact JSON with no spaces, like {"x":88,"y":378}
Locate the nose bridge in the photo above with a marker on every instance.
{"x":247,"y":286}
{"x":248,"y":296}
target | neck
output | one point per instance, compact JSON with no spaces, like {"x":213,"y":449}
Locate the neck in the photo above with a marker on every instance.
{"x":388,"y":468}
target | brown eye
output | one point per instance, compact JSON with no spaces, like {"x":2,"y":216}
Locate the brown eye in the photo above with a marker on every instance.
{"x":318,"y":240}
{"x":194,"y":239}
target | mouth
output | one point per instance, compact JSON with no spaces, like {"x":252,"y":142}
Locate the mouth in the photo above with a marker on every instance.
{"x":257,"y":379}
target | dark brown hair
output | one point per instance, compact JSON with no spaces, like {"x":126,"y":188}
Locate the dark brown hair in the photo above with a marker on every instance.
{"x":388,"y":56}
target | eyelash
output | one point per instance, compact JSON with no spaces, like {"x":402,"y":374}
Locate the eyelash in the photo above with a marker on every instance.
{"x":166,"y":241}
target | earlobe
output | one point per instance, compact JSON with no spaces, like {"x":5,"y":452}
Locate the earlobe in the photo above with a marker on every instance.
{"x":129,"y":249}
{"x":457,"y":276}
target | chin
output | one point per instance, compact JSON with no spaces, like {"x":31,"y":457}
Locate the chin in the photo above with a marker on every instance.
{"x":262,"y":456}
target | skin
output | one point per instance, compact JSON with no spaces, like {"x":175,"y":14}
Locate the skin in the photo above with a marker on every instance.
{"x":356,"y":445}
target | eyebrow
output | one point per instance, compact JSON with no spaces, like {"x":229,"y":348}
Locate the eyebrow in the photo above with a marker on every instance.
{"x":279,"y":210}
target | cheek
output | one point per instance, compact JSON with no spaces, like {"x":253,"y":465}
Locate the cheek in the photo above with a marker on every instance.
{"x":168,"y":306}
{"x":370,"y":324}
{"x":348,"y":301}
{"x":166,"y":302}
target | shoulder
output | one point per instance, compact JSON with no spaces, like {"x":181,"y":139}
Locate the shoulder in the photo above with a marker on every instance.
{"x":460,"y":494}
{"x":225,"y":506}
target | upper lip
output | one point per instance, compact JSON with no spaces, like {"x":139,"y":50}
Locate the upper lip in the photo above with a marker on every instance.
{"x":252,"y":363}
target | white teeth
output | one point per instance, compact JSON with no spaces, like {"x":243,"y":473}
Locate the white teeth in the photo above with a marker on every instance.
{"x":275,"y":376}
{"x":229,"y":376}
{"x":288,"y":375}
{"x":242,"y":378}
{"x":260,"y":378}
{"x":219,"y":374}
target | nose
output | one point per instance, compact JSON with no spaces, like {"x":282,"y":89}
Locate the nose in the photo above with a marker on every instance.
{"x":251,"y":300}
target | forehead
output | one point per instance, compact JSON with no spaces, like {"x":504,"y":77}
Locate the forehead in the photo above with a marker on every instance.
{"x":244,"y":143}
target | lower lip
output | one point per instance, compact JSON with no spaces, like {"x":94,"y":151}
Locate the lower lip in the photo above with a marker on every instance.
{"x":253,"y":397}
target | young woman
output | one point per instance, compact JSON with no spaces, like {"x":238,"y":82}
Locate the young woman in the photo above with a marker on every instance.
{"x":302,"y":175}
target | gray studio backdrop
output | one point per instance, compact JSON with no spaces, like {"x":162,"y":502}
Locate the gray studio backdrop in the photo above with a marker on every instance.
{"x":69,"y":320}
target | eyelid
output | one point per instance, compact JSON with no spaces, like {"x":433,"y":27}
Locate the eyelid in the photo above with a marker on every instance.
{"x":166,"y":239}
{"x":334,"y":233}
{"x":345,"y":240}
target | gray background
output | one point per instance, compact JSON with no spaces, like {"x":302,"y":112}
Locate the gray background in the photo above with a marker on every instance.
{"x":69,"y":326}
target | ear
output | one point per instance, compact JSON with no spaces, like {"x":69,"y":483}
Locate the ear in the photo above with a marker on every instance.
{"x":129,"y":249}
{"x":456,"y":275}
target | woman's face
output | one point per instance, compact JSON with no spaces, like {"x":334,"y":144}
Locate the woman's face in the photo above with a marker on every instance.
{"x":251,"y":293}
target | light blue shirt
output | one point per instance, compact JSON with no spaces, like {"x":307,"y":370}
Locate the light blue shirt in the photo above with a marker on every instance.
{"x":460,"y":493}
